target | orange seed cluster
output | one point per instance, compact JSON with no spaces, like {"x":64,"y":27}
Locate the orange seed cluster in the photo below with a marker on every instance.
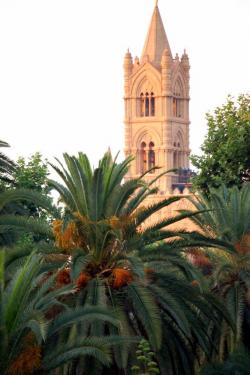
{"x":63,"y":277}
{"x":121,"y":277}
{"x":27,"y":362}
{"x":82,"y":280}
{"x":243,"y":246}
{"x":67,"y":238}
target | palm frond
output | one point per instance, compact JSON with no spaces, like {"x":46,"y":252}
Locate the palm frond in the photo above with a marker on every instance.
{"x":90,"y":314}
{"x":147,"y":311}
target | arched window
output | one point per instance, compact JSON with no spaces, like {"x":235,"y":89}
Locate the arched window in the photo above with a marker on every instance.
{"x":146,"y":157}
{"x":142,"y":105}
{"x":147,"y":104}
{"x":151,"y":156}
{"x":178,"y":152}
{"x":178,"y":100}
{"x":175,"y":160}
{"x":152,"y":104}
{"x":143,"y":158}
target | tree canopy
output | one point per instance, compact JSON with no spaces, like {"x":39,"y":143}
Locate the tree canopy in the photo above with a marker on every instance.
{"x":226,"y":149}
{"x":114,"y":292}
{"x":33,"y":174}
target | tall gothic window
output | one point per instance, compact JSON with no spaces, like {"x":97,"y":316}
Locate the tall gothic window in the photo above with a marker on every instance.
{"x":143,"y":158}
{"x":178,"y":158}
{"x":147,"y":104}
{"x":152,"y":102}
{"x":178,"y":100}
{"x":142,"y":105}
{"x":175,"y":161}
{"x":151,"y":156}
{"x":146,"y":157}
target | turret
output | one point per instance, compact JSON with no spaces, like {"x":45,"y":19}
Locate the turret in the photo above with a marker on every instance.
{"x":177,"y":59}
{"x":186,"y":66}
{"x":166,"y":68}
{"x":185,"y":62}
{"x":128,"y":66}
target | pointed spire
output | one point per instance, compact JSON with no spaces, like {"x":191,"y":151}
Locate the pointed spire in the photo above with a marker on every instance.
{"x":156,"y":41}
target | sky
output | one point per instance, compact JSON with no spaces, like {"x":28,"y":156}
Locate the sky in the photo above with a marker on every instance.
{"x":61,"y":75}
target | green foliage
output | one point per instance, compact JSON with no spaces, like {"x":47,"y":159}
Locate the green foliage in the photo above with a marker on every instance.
{"x":33,"y":175}
{"x":226,"y":151}
{"x":7,"y":167}
{"x":225,"y":213}
{"x":238,"y":363}
{"x":129,"y":267}
{"x":225,"y":221}
{"x":126,"y":281}
{"x":17,"y":199}
{"x":26,"y":195}
{"x":13,"y":224}
{"x":17,"y":312}
{"x":145,"y":358}
{"x":33,"y":332}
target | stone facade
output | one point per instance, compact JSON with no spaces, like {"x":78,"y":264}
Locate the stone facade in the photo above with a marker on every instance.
{"x":156,"y":97}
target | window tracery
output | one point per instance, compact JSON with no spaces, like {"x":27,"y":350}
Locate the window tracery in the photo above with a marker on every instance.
{"x":147,"y":104}
{"x":147,"y":156}
{"x":143,"y":158}
{"x":178,"y":154}
{"x":151,"y":156}
{"x":178,"y":100}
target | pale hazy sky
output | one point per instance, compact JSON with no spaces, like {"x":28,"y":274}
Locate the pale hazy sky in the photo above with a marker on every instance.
{"x":61,"y":76}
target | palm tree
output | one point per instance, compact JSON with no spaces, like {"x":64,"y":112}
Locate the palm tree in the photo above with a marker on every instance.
{"x":7,"y":166}
{"x":226,"y":217}
{"x":116,"y":262}
{"x":31,"y":337}
{"x":226,"y":214}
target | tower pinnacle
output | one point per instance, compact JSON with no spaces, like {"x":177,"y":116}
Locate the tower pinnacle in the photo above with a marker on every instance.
{"x":156,"y":40}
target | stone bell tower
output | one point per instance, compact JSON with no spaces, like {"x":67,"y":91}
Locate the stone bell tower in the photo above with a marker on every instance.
{"x":156,"y":96}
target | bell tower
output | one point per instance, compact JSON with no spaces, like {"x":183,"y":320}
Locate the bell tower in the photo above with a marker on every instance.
{"x":156,"y":97}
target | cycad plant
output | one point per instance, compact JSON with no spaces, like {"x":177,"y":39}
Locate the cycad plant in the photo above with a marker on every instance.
{"x":226,"y":214}
{"x":118,"y":263}
{"x":34,"y":323}
{"x":228,"y":219}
